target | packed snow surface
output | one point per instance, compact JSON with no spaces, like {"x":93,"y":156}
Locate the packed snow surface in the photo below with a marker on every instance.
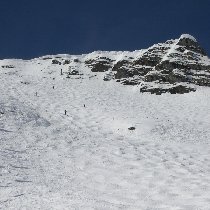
{"x":89,"y":159}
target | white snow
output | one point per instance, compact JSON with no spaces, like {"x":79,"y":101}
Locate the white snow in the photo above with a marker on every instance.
{"x":187,"y":36}
{"x":88,"y":159}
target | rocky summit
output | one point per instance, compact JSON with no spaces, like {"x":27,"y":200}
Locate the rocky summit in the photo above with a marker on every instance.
{"x":175,"y":66}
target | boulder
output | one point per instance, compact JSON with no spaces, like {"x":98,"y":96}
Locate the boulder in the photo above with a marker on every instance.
{"x":54,"y":61}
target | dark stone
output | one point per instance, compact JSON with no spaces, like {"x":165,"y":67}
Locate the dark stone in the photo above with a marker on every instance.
{"x":120,"y":64}
{"x":147,"y":61}
{"x":101,"y":64}
{"x":100,"y":67}
{"x":8,"y":66}
{"x":179,"y":89}
{"x":122,"y":73}
{"x":131,"y":128}
{"x":190,"y":44}
{"x":76,"y":60}
{"x":74,"y":72}
{"x":25,"y":83}
{"x":66,"y":62}
{"x":54,"y":61}
{"x":130,"y":82}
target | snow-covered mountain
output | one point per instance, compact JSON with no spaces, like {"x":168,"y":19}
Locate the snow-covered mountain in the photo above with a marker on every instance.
{"x":174,"y":66}
{"x":81,"y":131}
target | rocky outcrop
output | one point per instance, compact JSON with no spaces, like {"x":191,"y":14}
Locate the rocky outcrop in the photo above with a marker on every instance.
{"x":188,"y":42}
{"x":176,"y":89}
{"x":99,"y":64}
{"x":66,"y":62}
{"x":8,"y":66}
{"x":55,"y":61}
{"x":171,"y":63}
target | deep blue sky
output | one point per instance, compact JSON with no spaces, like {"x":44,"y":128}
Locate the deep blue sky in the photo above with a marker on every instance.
{"x":31,"y":28}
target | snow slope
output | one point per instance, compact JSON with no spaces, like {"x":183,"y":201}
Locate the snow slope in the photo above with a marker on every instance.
{"x":88,"y":159}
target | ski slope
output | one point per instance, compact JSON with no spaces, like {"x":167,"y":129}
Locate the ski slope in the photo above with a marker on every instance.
{"x":88,"y":159}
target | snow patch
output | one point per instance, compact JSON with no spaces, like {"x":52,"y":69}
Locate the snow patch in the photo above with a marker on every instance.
{"x":188,"y":36}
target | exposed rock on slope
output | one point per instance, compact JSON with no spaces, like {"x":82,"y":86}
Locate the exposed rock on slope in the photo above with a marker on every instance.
{"x":173,"y":62}
{"x":175,"y":66}
{"x":99,"y":64}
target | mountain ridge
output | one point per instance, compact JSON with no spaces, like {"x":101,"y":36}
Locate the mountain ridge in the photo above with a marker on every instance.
{"x":175,"y":66}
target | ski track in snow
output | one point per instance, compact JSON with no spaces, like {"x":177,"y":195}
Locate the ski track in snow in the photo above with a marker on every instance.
{"x":88,"y":159}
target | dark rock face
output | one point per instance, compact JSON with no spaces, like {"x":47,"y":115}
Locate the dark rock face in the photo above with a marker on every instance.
{"x":65,"y":62}
{"x":178,"y":89}
{"x":124,"y":69}
{"x":131,"y":128}
{"x":100,"y":67}
{"x":164,"y":77}
{"x":176,"y":61}
{"x":54,"y":61}
{"x":8,"y":66}
{"x":130,"y":82}
{"x":190,"y":44}
{"x":100,"y":64}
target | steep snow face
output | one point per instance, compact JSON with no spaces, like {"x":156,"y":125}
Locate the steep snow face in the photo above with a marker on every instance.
{"x":88,"y":158}
{"x":65,"y":138}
